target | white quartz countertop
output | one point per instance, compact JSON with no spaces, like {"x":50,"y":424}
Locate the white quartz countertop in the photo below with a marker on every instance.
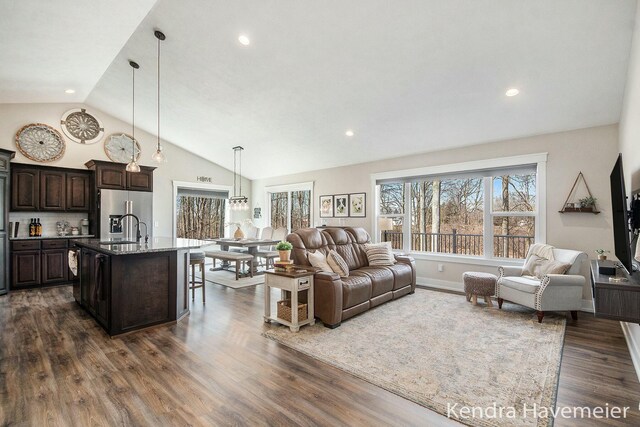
{"x":156,"y":244}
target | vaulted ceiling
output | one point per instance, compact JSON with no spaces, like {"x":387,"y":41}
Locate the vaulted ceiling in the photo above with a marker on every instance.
{"x":407,"y":77}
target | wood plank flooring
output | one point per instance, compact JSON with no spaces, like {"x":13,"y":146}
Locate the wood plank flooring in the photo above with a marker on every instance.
{"x":57,"y":367}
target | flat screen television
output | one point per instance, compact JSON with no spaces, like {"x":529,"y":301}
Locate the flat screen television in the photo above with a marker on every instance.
{"x":620,"y":210}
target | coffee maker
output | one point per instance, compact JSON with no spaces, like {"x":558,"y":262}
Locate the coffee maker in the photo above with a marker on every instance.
{"x":84,"y":227}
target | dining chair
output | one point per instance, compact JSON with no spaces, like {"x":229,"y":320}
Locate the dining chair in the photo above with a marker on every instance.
{"x":270,"y":254}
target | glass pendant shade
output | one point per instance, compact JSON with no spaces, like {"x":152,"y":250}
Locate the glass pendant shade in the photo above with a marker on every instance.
{"x":158,"y":156}
{"x":133,"y":166}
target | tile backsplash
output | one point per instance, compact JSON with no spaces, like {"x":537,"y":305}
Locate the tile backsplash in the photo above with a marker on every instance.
{"x":47,"y":219}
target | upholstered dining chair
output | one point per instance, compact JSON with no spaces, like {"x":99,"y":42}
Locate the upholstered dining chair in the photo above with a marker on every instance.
{"x":269,"y":254}
{"x":546,"y":291}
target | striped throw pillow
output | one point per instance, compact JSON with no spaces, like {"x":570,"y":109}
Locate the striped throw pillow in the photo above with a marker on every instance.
{"x":379,"y":253}
{"x":337,"y":264}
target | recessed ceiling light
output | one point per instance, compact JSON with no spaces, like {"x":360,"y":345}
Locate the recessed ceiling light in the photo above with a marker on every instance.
{"x":70,"y":91}
{"x":512,"y":92}
{"x":349,"y":132}
{"x":244,"y":40}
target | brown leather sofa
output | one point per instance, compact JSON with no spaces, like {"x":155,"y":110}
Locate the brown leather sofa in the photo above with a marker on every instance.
{"x":337,"y":299}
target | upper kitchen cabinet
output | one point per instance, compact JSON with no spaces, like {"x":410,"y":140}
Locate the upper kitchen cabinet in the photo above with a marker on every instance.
{"x":52,"y":190}
{"x":114,"y":176}
{"x":42,"y":188}
{"x":25,"y":188}
{"x":78,"y":191}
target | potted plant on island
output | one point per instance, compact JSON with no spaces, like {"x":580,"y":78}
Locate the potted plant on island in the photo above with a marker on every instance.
{"x":284,"y":248}
{"x":601,"y":254}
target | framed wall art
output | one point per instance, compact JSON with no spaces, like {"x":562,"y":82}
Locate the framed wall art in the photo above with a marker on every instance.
{"x":358,"y":205}
{"x":326,"y":206}
{"x":341,"y":205}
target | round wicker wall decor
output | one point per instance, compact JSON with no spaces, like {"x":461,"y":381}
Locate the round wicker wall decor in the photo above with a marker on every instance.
{"x":40,"y":142}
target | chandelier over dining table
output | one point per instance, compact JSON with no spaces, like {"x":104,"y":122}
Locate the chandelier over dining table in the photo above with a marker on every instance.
{"x":238,"y":202}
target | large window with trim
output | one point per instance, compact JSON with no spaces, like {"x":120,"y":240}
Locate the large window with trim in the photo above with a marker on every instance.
{"x":490,"y":213}
{"x":290,"y":206}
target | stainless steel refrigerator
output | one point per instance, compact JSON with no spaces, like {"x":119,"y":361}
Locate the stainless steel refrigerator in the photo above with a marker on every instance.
{"x":115,"y":203}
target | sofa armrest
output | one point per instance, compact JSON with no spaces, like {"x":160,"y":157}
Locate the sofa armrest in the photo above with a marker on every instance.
{"x":509,"y":270}
{"x":565,"y":280}
{"x":327,"y":294}
{"x":411,"y":262}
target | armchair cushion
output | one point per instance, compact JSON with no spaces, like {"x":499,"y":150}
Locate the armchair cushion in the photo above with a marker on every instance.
{"x":522,"y":284}
{"x":538,"y":267}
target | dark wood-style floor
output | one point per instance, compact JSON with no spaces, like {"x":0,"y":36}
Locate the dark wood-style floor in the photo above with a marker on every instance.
{"x":57,"y":367}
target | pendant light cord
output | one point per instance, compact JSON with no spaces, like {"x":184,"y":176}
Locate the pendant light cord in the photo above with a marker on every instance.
{"x":158,"y":147}
{"x":133,"y":114}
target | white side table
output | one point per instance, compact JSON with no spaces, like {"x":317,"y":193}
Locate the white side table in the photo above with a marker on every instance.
{"x":292,"y":282}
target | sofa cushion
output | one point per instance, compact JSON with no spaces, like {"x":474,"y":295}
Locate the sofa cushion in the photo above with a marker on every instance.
{"x":346,"y":245}
{"x":355,"y":290}
{"x":304,"y":240}
{"x":319,"y":260}
{"x":337,"y":264}
{"x":381,"y":279}
{"x":523,"y":284}
{"x":379,"y":253}
{"x":402,"y":275}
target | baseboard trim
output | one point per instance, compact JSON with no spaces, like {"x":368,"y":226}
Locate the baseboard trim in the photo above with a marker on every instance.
{"x":447,"y":285}
{"x":633,"y":345}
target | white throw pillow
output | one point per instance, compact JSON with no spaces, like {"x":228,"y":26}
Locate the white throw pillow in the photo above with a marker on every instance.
{"x":380,"y":253}
{"x":338,"y":264}
{"x":318,"y":260}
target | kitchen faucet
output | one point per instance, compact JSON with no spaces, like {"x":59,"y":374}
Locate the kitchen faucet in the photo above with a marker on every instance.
{"x":138,"y":235}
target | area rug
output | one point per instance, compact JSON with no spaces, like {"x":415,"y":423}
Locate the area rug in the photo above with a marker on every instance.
{"x":228,"y":279}
{"x":441,"y":352}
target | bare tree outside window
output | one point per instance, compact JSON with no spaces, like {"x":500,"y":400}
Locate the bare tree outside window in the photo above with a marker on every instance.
{"x":300,"y":209}
{"x":447,"y":215}
{"x":279,"y":203}
{"x":200,"y":217}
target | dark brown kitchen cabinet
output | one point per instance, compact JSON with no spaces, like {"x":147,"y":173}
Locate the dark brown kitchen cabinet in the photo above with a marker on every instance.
{"x":95,"y":284}
{"x":140,"y":181}
{"x":114,"y":176}
{"x":78,"y":191}
{"x":5,"y":169}
{"x":53,"y":190}
{"x":25,"y":189}
{"x":43,"y":188}
{"x":54,"y":266}
{"x":26,"y":269}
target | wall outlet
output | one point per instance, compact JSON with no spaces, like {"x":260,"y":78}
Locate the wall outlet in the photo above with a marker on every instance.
{"x":156,"y":224}
{"x":440,"y":268}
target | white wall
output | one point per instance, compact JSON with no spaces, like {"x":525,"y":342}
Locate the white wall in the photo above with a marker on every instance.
{"x":592,"y":151}
{"x":181,"y":166}
{"x":630,"y":149}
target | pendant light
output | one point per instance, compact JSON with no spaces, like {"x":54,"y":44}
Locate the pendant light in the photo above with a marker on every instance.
{"x":238,"y":202}
{"x":158,"y":156}
{"x":133,"y":165}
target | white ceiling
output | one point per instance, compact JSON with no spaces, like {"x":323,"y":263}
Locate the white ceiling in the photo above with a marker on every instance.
{"x":409,"y":76}
{"x":47,"y":47}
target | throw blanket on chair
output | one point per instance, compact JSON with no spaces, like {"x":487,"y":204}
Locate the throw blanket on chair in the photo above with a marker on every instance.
{"x":542,"y":250}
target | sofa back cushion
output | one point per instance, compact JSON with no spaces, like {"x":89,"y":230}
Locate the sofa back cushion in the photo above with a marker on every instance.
{"x":347,"y":242}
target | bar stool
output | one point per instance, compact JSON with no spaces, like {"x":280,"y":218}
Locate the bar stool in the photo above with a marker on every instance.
{"x":197,"y":258}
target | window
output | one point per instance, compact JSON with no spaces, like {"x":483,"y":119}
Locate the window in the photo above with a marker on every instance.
{"x":199,"y":216}
{"x":290,"y":206}
{"x":490,"y":213}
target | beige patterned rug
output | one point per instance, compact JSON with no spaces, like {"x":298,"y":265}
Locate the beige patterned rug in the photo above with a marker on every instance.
{"x":441,"y":352}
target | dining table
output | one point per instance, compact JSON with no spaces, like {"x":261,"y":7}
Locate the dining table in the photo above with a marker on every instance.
{"x":252,"y":245}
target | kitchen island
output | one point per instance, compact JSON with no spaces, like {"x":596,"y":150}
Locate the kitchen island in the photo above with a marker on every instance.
{"x":127,"y":286}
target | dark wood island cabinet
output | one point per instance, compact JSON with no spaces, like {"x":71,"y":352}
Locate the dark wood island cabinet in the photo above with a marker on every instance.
{"x":127,"y":287}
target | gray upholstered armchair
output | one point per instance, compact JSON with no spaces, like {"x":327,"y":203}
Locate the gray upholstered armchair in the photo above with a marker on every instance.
{"x":550,"y":292}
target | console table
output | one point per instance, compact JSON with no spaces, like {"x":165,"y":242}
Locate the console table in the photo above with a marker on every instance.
{"x":616,"y":300}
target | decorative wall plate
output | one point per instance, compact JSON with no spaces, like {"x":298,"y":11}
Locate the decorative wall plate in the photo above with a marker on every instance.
{"x":81,"y":127}
{"x":118,"y":147}
{"x":40,"y":142}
